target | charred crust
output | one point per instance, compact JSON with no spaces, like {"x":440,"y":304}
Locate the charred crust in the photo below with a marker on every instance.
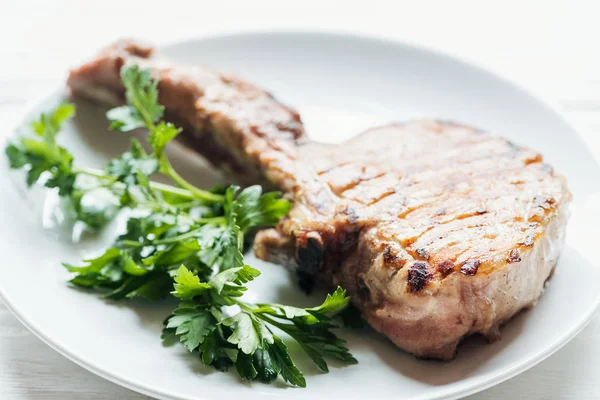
{"x":392,"y":260}
{"x":305,"y":281}
{"x":387,"y":254}
{"x":418,"y":276}
{"x":470,"y":268}
{"x":514,"y":256}
{"x":309,"y":254}
{"x":363,"y":290}
{"x":445,"y":267}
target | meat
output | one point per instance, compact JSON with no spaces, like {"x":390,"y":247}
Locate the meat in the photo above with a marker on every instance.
{"x":437,"y":230}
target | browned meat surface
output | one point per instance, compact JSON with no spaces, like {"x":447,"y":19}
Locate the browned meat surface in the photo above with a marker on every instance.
{"x":437,"y":230}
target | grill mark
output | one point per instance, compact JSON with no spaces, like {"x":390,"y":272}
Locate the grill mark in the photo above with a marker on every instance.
{"x":475,"y":214}
{"x":407,"y":242}
{"x":404,"y":214}
{"x":460,"y":253}
{"x":342,"y":164}
{"x":377,"y":200}
{"x":322,"y":200}
{"x":471,"y":198}
{"x":459,"y":218}
{"x":447,"y":194}
{"x":393,"y":260}
{"x":411,"y":210}
{"x":458,"y":159}
{"x":465,"y":215}
{"x":471,"y":266}
{"x":471,"y":181}
{"x":455,"y":178}
{"x":460,"y":228}
{"x":417,"y":254}
{"x":355,"y":183}
{"x":450,"y":157}
{"x":455,"y":159}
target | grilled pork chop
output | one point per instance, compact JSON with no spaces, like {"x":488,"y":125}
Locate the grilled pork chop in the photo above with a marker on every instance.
{"x":437,"y":230}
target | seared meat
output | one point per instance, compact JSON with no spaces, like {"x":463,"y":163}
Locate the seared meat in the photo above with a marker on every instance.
{"x":212,"y":107}
{"x":437,"y":230}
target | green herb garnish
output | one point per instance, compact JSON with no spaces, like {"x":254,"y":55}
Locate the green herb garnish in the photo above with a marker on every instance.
{"x":181,"y":241}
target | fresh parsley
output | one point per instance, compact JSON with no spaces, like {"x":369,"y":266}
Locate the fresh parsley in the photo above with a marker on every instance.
{"x":181,"y":241}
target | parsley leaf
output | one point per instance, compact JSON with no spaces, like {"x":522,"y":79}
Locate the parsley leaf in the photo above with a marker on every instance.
{"x":39,"y":154}
{"x":283,"y":364}
{"x":162,"y":134}
{"x":143,"y":110}
{"x":333,"y":302}
{"x":248,"y":332}
{"x":192,"y":324}
{"x":188,"y":285}
{"x":142,"y":106}
{"x":180,"y":241}
{"x":128,"y":167}
{"x":256,"y":210}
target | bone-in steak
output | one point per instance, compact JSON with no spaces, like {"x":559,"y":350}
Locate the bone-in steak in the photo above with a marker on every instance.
{"x":436,"y":229}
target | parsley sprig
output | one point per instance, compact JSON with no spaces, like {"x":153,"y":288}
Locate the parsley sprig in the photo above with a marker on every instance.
{"x":181,"y":241}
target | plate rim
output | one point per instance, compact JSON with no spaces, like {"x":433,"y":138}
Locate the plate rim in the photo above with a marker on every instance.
{"x":482,"y":383}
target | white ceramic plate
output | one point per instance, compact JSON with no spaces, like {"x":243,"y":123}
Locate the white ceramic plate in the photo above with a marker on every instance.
{"x":341,"y":85}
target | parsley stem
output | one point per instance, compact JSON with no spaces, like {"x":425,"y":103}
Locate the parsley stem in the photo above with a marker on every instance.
{"x":277,"y":324}
{"x":192,"y":233}
{"x":130,"y":243}
{"x":161,"y":187}
{"x":96,"y":173}
{"x":203,"y":195}
{"x":213,"y":220}
{"x":260,"y":314}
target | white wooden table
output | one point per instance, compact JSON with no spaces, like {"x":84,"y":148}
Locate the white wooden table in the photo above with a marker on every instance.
{"x":550,"y":47}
